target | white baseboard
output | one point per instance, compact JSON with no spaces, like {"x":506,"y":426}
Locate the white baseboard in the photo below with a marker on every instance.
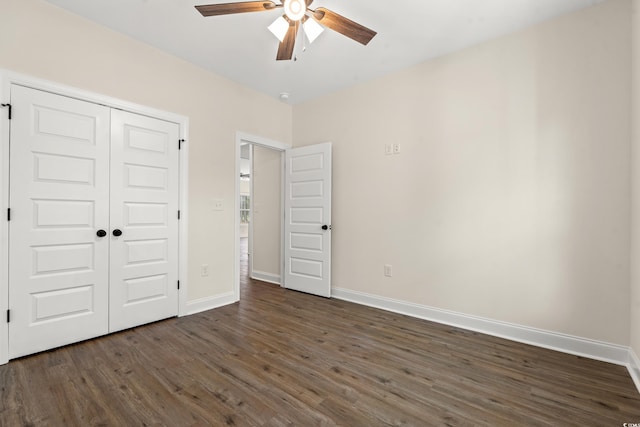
{"x":209,"y":303}
{"x":266,"y":277}
{"x":634,"y":368}
{"x":584,"y":347}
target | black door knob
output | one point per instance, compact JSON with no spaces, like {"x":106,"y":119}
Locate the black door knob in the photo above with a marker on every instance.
{"x":326,"y":227}
{"x":101,"y":233}
{"x":117,"y":232}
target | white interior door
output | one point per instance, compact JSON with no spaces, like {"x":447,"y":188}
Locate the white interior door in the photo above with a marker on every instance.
{"x":144,"y":209}
{"x":308,"y":219}
{"x":59,"y":198}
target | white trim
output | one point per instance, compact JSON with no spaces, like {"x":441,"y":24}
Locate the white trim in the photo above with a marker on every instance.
{"x":634,"y":368}
{"x":584,"y":347}
{"x":266,"y":277}
{"x":7,"y":78}
{"x":4,"y":204}
{"x":209,"y":303}
{"x":251,"y":208}
{"x":243,"y":138}
{"x":283,"y":191}
{"x":236,"y":223}
{"x":183,"y":225}
{"x":96,"y":98}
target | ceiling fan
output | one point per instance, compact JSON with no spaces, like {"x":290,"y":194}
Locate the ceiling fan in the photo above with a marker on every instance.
{"x":296,"y":13}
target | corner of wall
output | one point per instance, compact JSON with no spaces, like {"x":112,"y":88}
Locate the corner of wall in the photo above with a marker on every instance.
{"x":634,"y":289}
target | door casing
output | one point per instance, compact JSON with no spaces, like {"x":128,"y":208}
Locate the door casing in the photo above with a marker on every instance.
{"x":7,"y":78}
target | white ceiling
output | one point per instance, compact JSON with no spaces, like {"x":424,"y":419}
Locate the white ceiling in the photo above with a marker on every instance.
{"x":241,"y":48}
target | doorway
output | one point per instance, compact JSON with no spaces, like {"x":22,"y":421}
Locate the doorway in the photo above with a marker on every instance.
{"x":305,"y":215}
{"x":260,"y":210}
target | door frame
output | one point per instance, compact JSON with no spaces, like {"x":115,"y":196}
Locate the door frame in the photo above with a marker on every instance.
{"x":7,"y":78}
{"x":246,"y":138}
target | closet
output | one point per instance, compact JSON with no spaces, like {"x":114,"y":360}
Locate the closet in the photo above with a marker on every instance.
{"x":93,"y":230}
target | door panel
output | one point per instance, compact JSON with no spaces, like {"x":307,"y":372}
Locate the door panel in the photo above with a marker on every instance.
{"x":59,"y":195}
{"x":144,"y":206}
{"x":307,"y":210}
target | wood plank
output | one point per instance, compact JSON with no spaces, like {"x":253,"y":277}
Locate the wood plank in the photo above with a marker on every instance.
{"x":282,"y":358}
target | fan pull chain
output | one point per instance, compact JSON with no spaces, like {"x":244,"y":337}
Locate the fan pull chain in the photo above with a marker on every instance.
{"x":303,"y":42}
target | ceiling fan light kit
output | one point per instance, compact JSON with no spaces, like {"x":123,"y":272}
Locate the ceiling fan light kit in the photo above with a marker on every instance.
{"x":285,"y":28}
{"x":279,"y":28}
{"x":312,"y":29}
{"x":295,"y":9}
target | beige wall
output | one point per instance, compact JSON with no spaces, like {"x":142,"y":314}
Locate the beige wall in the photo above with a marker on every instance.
{"x":267,"y":206}
{"x":635,"y":253}
{"x":46,"y":42}
{"x":510,"y":198}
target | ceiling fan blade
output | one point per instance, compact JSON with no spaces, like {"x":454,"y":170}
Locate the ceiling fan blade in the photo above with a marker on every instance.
{"x":242,"y":7}
{"x":285,"y":50}
{"x":344,"y":26}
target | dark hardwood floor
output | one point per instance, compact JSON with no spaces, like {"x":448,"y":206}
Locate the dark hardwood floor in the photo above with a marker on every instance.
{"x":282,"y":358}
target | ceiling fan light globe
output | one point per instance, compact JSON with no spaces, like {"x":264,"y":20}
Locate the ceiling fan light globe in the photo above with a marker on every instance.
{"x":295,"y":9}
{"x":312,"y":29}
{"x":279,"y":28}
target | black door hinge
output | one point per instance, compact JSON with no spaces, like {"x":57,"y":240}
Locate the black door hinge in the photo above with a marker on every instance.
{"x":7,"y":105}
{"x":180,"y":141}
{"x":178,"y":284}
{"x":8,"y":316}
{"x":178,"y":214}
{"x":9,"y":214}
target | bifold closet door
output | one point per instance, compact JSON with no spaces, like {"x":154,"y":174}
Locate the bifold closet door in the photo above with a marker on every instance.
{"x":59,"y":199}
{"x":144,"y":220}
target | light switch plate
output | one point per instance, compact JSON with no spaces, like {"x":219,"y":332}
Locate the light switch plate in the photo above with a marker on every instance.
{"x":388,"y":270}
{"x":204,"y":270}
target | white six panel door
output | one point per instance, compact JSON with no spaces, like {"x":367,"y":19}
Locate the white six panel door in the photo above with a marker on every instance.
{"x":144,"y":207}
{"x":307,"y":250}
{"x":59,"y":198}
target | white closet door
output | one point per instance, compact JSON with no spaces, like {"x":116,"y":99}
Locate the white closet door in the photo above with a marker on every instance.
{"x":59,"y":196}
{"x":144,"y":208}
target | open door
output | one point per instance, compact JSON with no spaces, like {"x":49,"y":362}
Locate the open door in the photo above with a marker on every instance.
{"x":307,"y":225}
